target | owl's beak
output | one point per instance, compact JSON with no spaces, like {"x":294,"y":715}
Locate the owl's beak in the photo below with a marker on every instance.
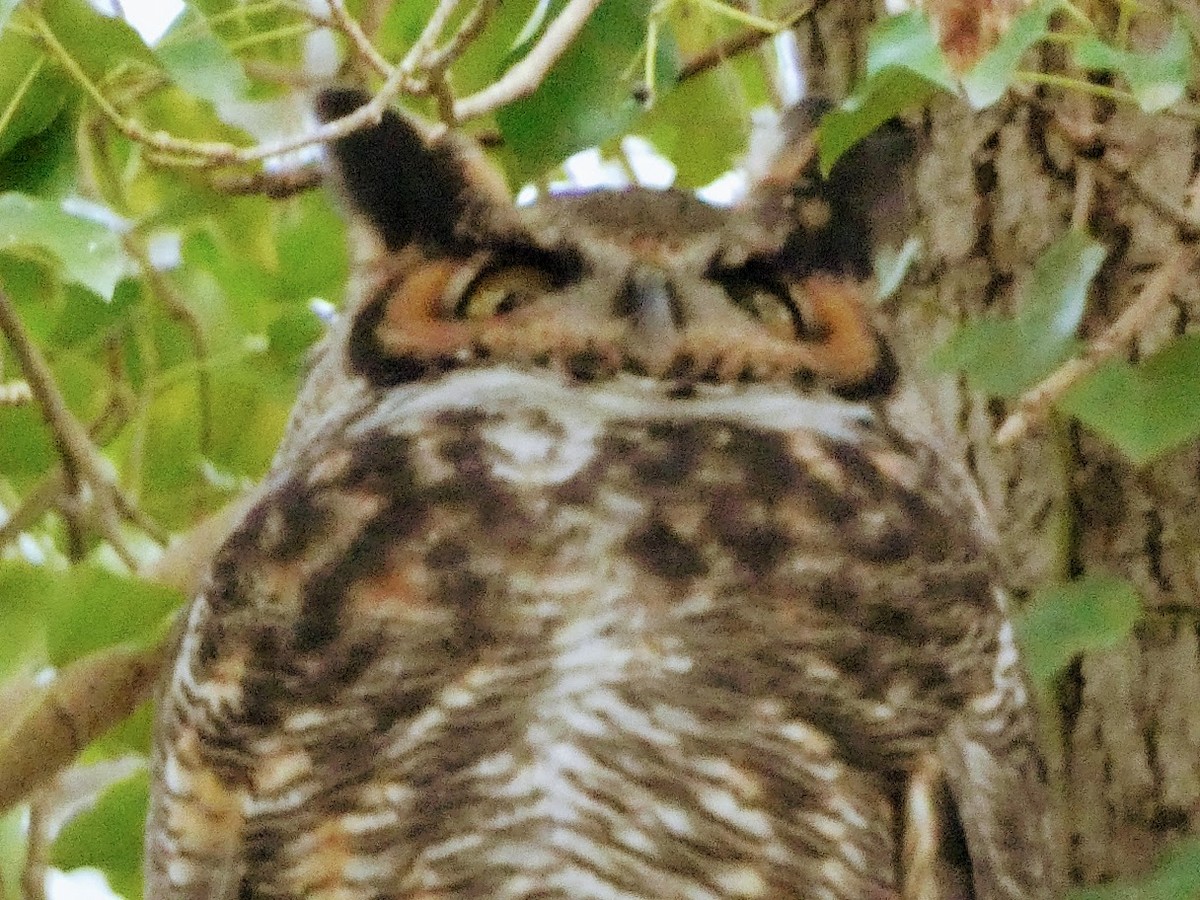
{"x":649,"y":304}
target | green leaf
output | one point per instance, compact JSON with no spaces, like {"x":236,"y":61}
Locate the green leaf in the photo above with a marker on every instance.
{"x":1002,"y":357}
{"x":86,"y":315}
{"x":256,"y":405}
{"x":990,"y":77}
{"x":907,"y":42}
{"x":1157,"y":78}
{"x":1062,"y":621}
{"x":905,"y":66}
{"x":1058,"y":293}
{"x":291,"y":335}
{"x":726,"y":95}
{"x":311,"y":248}
{"x":95,"y":608}
{"x":88,"y":253}
{"x":44,"y":163}
{"x":130,"y":735}
{"x":96,"y":41}
{"x":402,"y":25}
{"x":24,"y":590}
{"x":27,"y":449}
{"x":199,"y":62}
{"x":1177,"y":877}
{"x":1147,"y":409}
{"x":880,"y":98}
{"x":588,"y":97}
{"x":109,"y":836}
{"x":32,"y":92}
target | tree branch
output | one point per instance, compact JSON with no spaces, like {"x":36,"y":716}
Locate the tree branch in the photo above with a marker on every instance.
{"x":203,"y":154}
{"x":85,"y":699}
{"x":83,"y":466}
{"x":434,"y":26}
{"x":524,"y":77}
{"x":358,"y":39}
{"x":46,"y":493}
{"x":92,"y":694}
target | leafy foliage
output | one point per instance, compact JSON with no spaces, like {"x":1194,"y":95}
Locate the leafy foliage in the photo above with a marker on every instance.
{"x":1063,"y":621}
{"x":1157,"y":78}
{"x":1148,"y":408}
{"x":987,"y":81}
{"x":1004,"y":356}
{"x":108,"y":836}
{"x":546,"y":127}
{"x":905,"y":67}
{"x":81,"y":251}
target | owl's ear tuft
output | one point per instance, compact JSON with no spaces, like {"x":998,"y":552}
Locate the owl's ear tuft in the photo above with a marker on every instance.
{"x":410,"y":187}
{"x":841,"y":219}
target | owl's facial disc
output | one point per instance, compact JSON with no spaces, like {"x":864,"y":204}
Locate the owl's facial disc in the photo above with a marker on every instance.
{"x":548,"y":311}
{"x":595,"y":285}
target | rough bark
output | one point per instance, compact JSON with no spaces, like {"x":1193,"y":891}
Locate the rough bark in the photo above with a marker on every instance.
{"x":994,"y":189}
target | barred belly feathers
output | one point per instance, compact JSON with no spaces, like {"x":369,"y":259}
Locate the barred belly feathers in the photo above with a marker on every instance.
{"x":595,"y":565}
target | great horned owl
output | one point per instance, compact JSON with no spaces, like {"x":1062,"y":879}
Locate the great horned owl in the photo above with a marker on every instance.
{"x":596,"y":564}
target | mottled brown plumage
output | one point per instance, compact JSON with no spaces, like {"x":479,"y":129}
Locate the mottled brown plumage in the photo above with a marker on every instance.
{"x":596,"y":565}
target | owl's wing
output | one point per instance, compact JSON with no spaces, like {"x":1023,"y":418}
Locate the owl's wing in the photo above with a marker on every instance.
{"x":276,"y":711}
{"x":193,"y":831}
{"x":190,"y":854}
{"x":913,"y":669}
{"x":999,"y":787}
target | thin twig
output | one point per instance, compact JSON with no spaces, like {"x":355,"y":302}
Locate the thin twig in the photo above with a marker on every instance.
{"x":90,"y":695}
{"x":522,"y":79}
{"x":34,"y":504}
{"x":165,"y":292}
{"x":37,"y":849}
{"x":358,"y":40}
{"x":46,"y":492}
{"x":437,"y":62}
{"x":200,"y":154}
{"x":721,"y":52}
{"x":85,"y":699}
{"x":434,"y":26}
{"x":525,"y":76}
{"x":1107,"y":170}
{"x":443,"y":97}
{"x":472,"y":26}
{"x":276,"y":185}
{"x":82,"y":463}
{"x":1035,"y":403}
{"x":741,"y":43}
{"x":275,"y":73}
{"x":373,"y":14}
{"x":1188,"y":225}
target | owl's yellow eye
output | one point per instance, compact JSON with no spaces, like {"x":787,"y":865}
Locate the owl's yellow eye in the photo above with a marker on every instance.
{"x":768,"y":302}
{"x":498,"y":291}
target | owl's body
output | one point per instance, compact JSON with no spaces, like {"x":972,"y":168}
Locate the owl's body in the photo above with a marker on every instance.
{"x":575,"y":580}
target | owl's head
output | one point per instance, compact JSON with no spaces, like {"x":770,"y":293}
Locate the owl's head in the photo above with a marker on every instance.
{"x":598,"y":285}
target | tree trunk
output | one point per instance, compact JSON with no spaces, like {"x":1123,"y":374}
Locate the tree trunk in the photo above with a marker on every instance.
{"x":993,"y":190}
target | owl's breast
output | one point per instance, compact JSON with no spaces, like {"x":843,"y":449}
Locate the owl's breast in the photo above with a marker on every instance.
{"x":619,"y":634}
